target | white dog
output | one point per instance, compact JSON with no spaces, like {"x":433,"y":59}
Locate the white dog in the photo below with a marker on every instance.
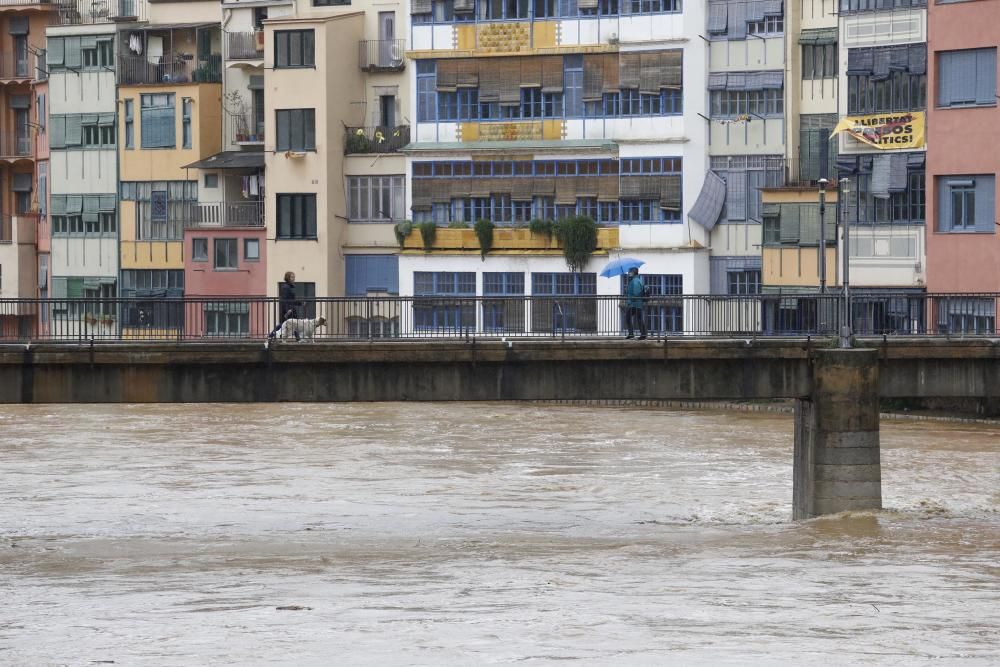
{"x":305,"y":328}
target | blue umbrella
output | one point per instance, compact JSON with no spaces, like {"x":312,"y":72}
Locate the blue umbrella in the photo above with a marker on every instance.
{"x":621,"y":266}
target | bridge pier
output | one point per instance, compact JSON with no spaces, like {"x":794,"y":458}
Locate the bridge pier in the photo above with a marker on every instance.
{"x":837,"y":461}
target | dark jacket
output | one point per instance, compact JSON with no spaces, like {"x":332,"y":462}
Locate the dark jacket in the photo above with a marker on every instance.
{"x":286,"y":300}
{"x":635,"y":292}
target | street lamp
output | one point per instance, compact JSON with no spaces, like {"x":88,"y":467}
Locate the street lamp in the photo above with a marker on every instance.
{"x":845,"y":322}
{"x":822,"y":235}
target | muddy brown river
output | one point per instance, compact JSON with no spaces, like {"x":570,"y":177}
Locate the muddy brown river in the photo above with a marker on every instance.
{"x":471,"y":534}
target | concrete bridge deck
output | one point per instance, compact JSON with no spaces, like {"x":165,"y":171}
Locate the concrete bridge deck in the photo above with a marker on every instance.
{"x":837,"y":462}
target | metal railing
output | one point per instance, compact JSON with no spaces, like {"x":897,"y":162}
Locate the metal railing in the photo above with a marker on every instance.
{"x":247,"y":45}
{"x":15,"y":65}
{"x":382,"y":54}
{"x":12,"y":145}
{"x":140,"y":69}
{"x":83,"y":12}
{"x":153,"y":317}
{"x":226,"y":214}
{"x":378,"y":139}
{"x":244,"y":129}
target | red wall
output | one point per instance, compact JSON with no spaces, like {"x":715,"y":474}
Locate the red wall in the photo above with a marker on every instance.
{"x":961,"y":141}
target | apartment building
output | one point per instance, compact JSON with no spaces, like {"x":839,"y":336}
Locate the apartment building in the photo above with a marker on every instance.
{"x":335,"y":115}
{"x":546,"y":110}
{"x":963,"y":163}
{"x":23,"y":96}
{"x":169,"y":72}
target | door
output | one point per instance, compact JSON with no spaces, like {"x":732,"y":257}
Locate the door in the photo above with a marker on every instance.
{"x":387,"y":115}
{"x":387,"y":36}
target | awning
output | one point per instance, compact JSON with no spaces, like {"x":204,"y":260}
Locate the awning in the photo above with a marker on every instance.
{"x":819,"y":36}
{"x":708,"y":207}
{"x":230,"y":160}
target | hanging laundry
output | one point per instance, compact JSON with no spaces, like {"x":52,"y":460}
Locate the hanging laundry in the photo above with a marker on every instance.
{"x":245,"y":190}
{"x":254,"y":191}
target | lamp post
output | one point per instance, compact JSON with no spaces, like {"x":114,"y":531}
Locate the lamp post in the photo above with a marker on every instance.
{"x":822,"y":235}
{"x":845,"y":323}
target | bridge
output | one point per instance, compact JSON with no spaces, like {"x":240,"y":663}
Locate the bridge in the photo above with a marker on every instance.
{"x":836,"y":455}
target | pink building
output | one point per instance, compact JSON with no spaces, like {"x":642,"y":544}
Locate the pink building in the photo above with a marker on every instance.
{"x":224,"y":242}
{"x":963,"y":161}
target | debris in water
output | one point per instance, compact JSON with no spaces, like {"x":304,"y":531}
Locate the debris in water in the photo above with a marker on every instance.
{"x":293,"y":607}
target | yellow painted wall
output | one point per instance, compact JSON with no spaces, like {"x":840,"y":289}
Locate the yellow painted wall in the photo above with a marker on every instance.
{"x":796,"y":267}
{"x":165,"y":164}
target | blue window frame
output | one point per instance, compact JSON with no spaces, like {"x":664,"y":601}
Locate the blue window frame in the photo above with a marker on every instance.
{"x":427,"y":95}
{"x":503,"y":314}
{"x":531,"y":102}
{"x":438,"y":303}
{"x":566,"y":313}
{"x":443,"y":11}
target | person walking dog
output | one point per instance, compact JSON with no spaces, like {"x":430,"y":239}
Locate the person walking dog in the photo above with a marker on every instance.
{"x":287,"y":304}
{"x":635,"y":291}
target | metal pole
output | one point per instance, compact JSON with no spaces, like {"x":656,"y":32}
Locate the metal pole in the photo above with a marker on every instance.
{"x":822,"y":235}
{"x":845,"y":324}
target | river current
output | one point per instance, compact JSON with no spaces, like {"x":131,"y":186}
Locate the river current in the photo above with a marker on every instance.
{"x":469,"y":534}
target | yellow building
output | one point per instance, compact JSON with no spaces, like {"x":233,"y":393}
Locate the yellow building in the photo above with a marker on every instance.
{"x":170,"y":115}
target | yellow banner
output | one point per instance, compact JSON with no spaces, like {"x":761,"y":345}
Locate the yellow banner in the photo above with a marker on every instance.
{"x":886,"y":131}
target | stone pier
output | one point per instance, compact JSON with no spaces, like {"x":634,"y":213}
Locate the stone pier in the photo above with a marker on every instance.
{"x":837,"y":462}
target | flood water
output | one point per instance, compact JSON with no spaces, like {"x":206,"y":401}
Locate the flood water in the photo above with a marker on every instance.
{"x":468,"y":534}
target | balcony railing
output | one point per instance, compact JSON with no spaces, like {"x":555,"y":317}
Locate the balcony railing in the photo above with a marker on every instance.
{"x":360,"y":140}
{"x":245,"y":45}
{"x":81,"y":12}
{"x":12,"y":145}
{"x":226,"y":214}
{"x":18,"y":66}
{"x":244,"y":130}
{"x":139,"y":70}
{"x":382,"y":55}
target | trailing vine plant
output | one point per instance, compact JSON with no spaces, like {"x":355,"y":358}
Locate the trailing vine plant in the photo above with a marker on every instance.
{"x":484,"y":232}
{"x":544,"y":228}
{"x":428,"y":231}
{"x":402,"y":230}
{"x":578,"y":235}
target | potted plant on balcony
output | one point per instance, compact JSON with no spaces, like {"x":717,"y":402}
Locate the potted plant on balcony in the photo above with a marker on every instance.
{"x":239,"y":112}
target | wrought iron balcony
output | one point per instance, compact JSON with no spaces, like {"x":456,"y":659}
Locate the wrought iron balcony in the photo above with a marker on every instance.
{"x":360,"y":140}
{"x":382,"y":55}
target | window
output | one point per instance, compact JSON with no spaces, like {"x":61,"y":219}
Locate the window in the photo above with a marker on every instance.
{"x":129,"y":123}
{"x":230,"y":318}
{"x":872,"y":5}
{"x":427,"y":96}
{"x":199,"y":249}
{"x":967,"y":78}
{"x":745,"y":176}
{"x":157,"y":124}
{"x":163,"y":206}
{"x":296,"y":216}
{"x":770,"y":26}
{"x":503,"y":314}
{"x":296,"y":130}
{"x":99,"y":133}
{"x":367,"y":274}
{"x":562,"y":312}
{"x":966,"y":203}
{"x":819,"y":61}
{"x":901,"y":207}
{"x":251,"y":250}
{"x":967,"y":315}
{"x":887,"y":78}
{"x":733,"y":103}
{"x":186,"y":123}
{"x":211,"y":180}
{"x":294,"y":48}
{"x":331,"y":3}
{"x":375,"y":198}
{"x":438,"y":304}
{"x":225,"y":254}
{"x":745,"y":281}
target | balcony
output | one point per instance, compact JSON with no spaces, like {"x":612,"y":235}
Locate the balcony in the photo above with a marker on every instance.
{"x":226,"y":214}
{"x":244,"y":128}
{"x":19,"y":66}
{"x":382,"y":55}
{"x":13,"y":146}
{"x":85,"y":12}
{"x":245,"y":45}
{"x":134,"y":70}
{"x":362,"y":140}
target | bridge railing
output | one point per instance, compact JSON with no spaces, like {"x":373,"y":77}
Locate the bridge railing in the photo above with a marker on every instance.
{"x":153,"y":316}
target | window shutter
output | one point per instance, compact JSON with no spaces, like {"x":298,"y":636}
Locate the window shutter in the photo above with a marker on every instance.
{"x":985,"y":204}
{"x":56,"y":54}
{"x":74,"y":288}
{"x":945,"y":223}
{"x":73,"y":52}
{"x":59,"y":288}
{"x":310,"y":215}
{"x":736,"y":195}
{"x":74,"y":130}
{"x":986,"y":76}
{"x":281,"y":49}
{"x":284,"y":216}
{"x":283,"y":131}
{"x":310,"y":129}
{"x":308,"y":48}
{"x":57,"y":132}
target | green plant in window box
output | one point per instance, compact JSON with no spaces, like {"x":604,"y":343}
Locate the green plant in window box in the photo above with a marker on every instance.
{"x":541,"y":228}
{"x":484,"y":232}
{"x":457,"y":224}
{"x":578,"y":235}
{"x":402,"y":230}
{"x":428,"y":231}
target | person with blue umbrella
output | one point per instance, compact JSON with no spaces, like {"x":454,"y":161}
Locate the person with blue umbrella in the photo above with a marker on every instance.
{"x":635,"y":291}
